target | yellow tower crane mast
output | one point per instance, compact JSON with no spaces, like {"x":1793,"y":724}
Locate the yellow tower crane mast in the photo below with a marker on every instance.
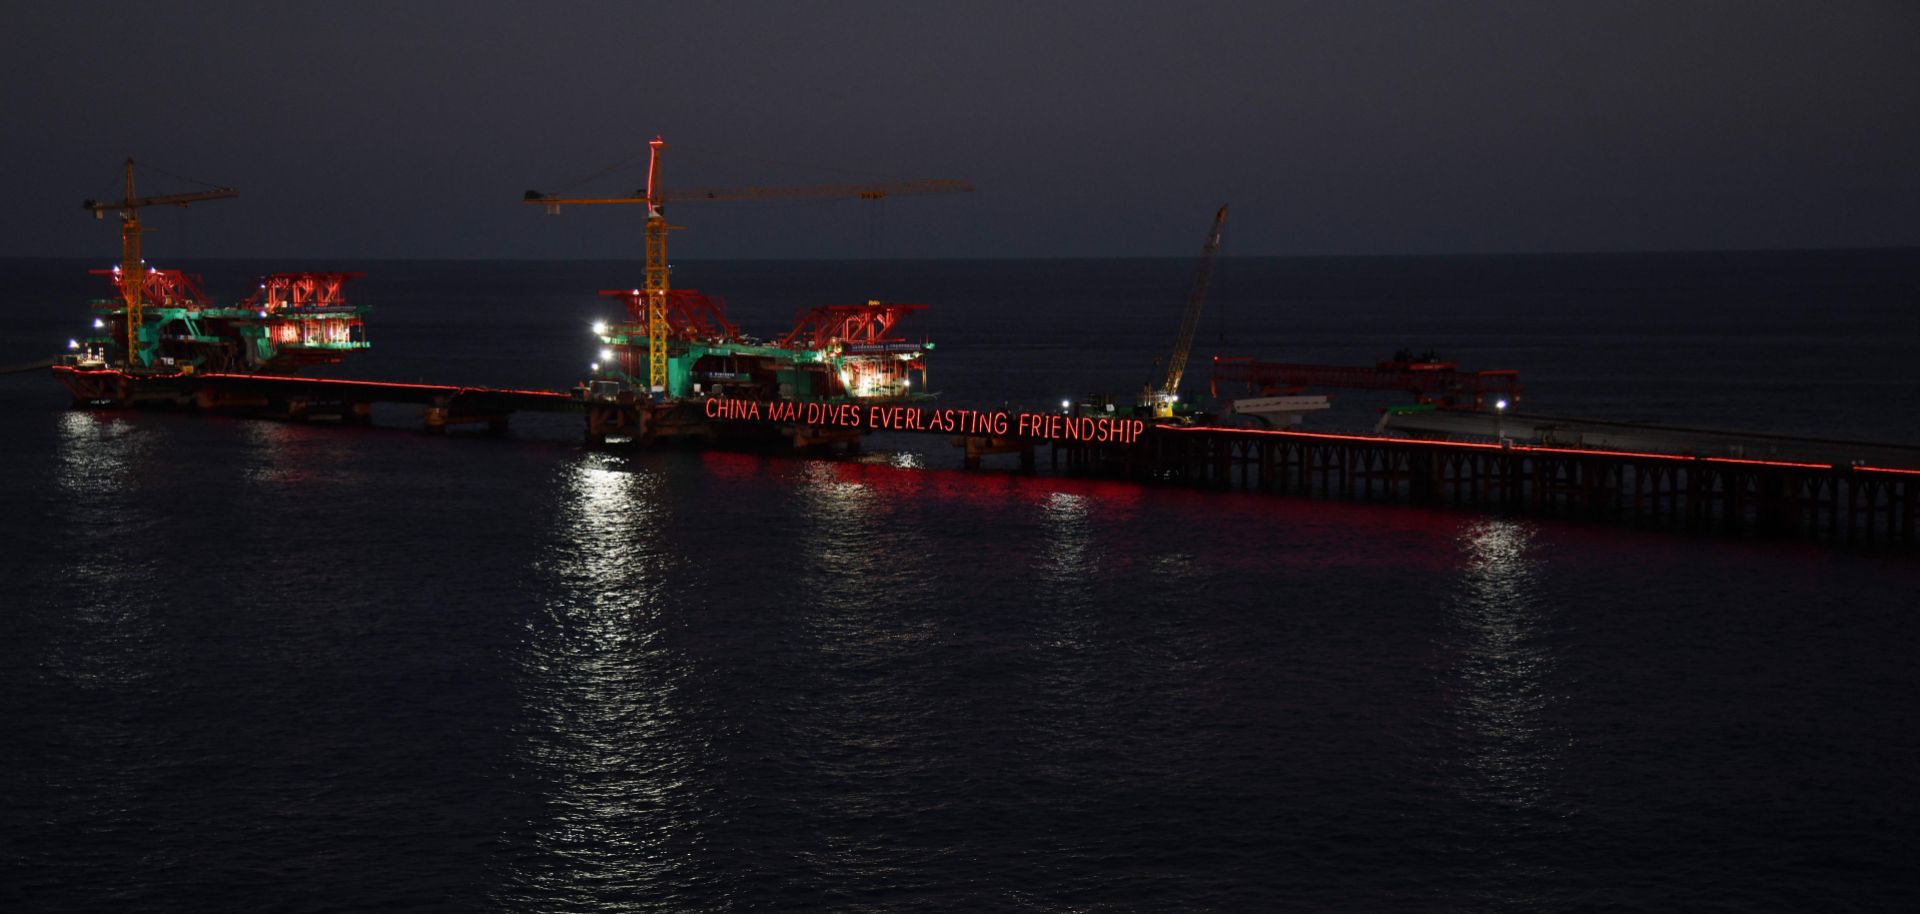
{"x":655,"y":198}
{"x":133,"y":270}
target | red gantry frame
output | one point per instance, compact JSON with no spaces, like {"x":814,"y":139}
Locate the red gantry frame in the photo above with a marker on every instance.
{"x":691,"y":315}
{"x":855,"y":326}
{"x":164,"y":288}
{"x":303,"y":290}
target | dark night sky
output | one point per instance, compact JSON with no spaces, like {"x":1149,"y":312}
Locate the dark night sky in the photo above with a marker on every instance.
{"x":391,"y":129}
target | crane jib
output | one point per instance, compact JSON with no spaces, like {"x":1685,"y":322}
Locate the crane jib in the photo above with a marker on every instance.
{"x":1190,"y":317}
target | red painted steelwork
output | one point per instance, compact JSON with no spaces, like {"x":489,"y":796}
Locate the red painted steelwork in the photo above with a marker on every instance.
{"x":165,"y":288}
{"x":691,"y":315}
{"x":301,"y":290}
{"x":868,"y":324}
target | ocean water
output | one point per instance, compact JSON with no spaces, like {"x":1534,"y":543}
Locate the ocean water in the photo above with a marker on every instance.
{"x":248,"y":664}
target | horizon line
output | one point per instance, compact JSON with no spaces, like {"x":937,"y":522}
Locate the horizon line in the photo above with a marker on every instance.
{"x":1035,"y":257}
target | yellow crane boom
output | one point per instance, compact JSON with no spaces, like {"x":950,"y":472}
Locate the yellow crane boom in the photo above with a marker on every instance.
{"x":878,"y":191}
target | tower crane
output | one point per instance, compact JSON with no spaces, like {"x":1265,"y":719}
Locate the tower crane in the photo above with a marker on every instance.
{"x":1162,"y":400}
{"x":133,"y":270}
{"x":654,"y":197}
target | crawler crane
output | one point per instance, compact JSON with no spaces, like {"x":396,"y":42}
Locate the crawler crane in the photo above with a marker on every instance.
{"x":1162,"y":399}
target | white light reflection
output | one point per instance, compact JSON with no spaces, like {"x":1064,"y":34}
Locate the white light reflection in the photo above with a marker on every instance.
{"x":109,"y":631}
{"x":608,"y":737}
{"x":869,"y":576}
{"x":1503,"y":669}
{"x":1067,"y":568}
{"x":104,"y":614}
{"x":1068,"y":536}
{"x":850,"y":540}
{"x":868,"y":631}
{"x":288,"y":458}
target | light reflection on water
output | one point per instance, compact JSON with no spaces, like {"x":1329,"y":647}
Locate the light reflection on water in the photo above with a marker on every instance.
{"x":1068,"y":537}
{"x":97,"y":454}
{"x":868,"y":635}
{"x":1500,"y":685}
{"x":285,"y":456}
{"x":865,"y":572}
{"x":1500,"y":689}
{"x":847,"y":538}
{"x":105,"y":647}
{"x":1068,"y":569}
{"x":607,"y":734}
{"x":107,"y":519}
{"x":1501,"y":675}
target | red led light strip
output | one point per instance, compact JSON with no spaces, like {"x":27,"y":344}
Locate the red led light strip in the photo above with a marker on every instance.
{"x":1271,"y":433}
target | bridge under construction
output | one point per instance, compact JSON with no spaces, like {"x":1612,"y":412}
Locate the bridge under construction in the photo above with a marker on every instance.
{"x":679,"y":370}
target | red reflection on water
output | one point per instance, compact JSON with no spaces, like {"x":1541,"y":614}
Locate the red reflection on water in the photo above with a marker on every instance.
{"x":1237,"y":531}
{"x":1231,"y":531}
{"x":735,"y":465}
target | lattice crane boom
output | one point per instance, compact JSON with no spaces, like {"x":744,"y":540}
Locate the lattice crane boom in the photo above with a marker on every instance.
{"x":1190,"y":317}
{"x":133,"y":271}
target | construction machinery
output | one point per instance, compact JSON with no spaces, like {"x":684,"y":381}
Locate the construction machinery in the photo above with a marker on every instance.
{"x":654,"y":302}
{"x":291,"y":321}
{"x":165,"y":323}
{"x":131,"y":274}
{"x":1161,"y":400}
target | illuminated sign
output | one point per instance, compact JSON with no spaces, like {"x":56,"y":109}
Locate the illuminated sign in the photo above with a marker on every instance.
{"x":897,"y":418}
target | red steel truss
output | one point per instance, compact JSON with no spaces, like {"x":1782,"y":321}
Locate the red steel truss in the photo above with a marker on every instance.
{"x":165,"y":288}
{"x":301,"y":290}
{"x":690,"y":314}
{"x":856,"y":325}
